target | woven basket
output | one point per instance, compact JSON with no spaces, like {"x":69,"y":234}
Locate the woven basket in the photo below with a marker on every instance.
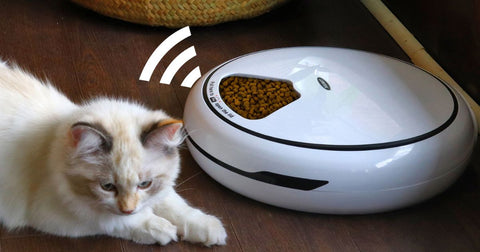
{"x":180,"y":13}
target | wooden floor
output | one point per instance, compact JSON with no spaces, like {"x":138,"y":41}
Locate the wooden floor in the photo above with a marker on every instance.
{"x":86,"y":55}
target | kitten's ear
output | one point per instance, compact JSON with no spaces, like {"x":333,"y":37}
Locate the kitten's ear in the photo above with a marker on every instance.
{"x":164,"y":133}
{"x":89,"y":138}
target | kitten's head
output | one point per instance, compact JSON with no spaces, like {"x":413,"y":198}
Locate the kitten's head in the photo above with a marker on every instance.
{"x":121,"y":156}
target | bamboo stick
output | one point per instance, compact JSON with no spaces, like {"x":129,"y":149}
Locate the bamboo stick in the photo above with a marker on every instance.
{"x":415,"y":51}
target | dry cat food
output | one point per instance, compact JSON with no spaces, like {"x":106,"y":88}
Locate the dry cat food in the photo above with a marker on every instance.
{"x":255,"y":98}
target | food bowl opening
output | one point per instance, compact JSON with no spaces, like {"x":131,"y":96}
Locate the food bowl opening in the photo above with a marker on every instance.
{"x":255,"y":97}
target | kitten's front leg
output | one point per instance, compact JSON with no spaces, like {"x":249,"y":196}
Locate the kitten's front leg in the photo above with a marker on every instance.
{"x":192,"y":224}
{"x":147,"y":228}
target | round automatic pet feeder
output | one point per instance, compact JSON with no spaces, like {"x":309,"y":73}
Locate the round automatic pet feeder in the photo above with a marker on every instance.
{"x":368,"y":133}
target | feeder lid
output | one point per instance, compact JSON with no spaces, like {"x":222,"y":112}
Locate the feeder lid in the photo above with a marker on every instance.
{"x":348,"y":99}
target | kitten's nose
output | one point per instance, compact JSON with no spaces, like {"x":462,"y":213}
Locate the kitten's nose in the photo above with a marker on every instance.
{"x":126,"y":211}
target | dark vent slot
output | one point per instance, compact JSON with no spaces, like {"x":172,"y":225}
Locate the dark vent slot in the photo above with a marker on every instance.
{"x":267,"y":177}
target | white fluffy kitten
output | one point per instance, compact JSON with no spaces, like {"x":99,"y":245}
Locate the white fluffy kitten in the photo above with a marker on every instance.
{"x":107,"y":167}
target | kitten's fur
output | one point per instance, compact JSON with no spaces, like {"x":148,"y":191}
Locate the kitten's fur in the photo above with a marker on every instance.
{"x":106,"y":167}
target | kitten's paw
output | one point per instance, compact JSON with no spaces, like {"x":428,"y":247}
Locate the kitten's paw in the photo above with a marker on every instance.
{"x":156,"y":230}
{"x":206,"y":229}
{"x":162,"y":230}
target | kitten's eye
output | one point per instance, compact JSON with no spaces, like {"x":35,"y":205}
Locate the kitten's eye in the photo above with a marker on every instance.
{"x":145,"y":184}
{"x":108,"y":187}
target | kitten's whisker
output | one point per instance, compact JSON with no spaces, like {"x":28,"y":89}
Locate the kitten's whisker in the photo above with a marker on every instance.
{"x":189,"y":133}
{"x":185,"y":189}
{"x":187,"y":179}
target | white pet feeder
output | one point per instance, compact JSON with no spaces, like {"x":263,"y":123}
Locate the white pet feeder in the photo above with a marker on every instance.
{"x":369,"y":133}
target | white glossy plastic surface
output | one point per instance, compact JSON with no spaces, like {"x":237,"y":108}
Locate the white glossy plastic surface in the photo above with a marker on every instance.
{"x":386,"y":135}
{"x":372,"y":98}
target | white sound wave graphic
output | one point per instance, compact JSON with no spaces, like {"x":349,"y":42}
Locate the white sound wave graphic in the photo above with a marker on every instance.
{"x":194,"y":75}
{"x":175,"y":65}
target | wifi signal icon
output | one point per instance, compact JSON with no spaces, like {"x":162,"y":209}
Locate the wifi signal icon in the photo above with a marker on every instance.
{"x":176,"y":63}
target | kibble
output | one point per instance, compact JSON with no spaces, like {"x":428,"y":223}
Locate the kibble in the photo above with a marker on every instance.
{"x":254,"y":98}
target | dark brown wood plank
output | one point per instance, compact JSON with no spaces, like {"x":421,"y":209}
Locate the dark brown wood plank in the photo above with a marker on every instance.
{"x":450,"y":32}
{"x":54,"y":244}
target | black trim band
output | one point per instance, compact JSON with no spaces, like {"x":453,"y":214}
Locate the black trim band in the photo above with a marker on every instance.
{"x":360,"y":147}
{"x":265,"y":176}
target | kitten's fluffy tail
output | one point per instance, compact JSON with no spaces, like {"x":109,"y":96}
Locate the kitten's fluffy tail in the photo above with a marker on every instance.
{"x":3,"y":63}
{"x":23,"y":91}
